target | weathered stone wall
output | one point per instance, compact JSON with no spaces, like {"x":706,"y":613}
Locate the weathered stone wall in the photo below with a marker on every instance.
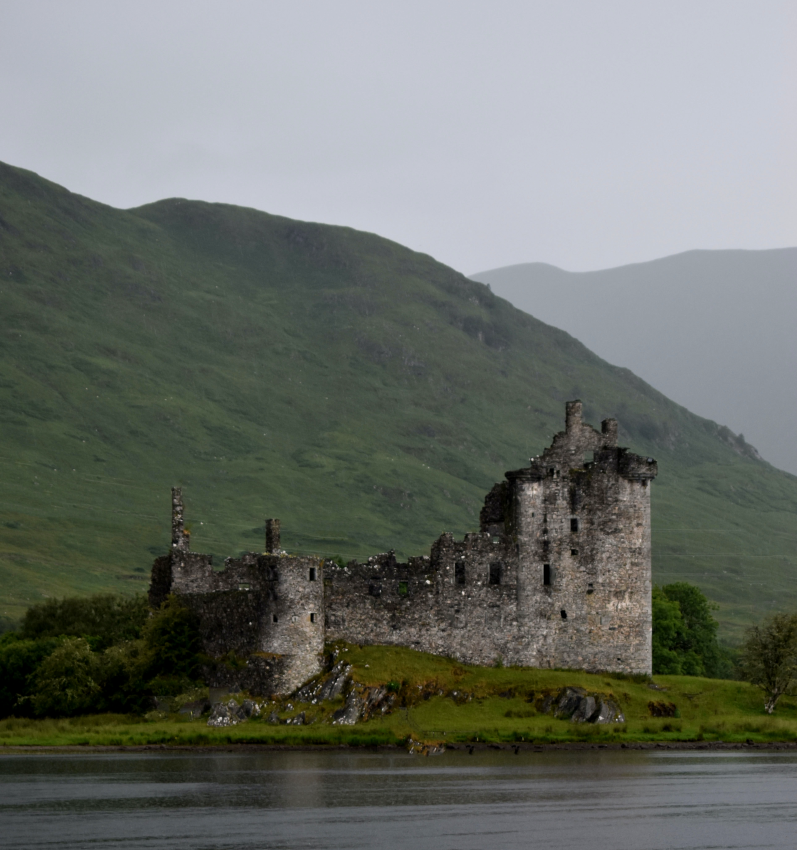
{"x":568,"y":541}
{"x":266,"y":608}
{"x":558,"y":576}
{"x":446,"y":604}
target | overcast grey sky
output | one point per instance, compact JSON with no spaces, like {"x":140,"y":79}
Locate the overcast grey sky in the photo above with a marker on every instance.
{"x":582,"y":134}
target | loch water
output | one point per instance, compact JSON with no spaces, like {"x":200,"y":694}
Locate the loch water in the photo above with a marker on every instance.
{"x":623,"y":800}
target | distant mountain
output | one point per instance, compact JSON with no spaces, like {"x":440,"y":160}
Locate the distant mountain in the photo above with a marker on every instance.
{"x":714,"y":330}
{"x":363,"y":393}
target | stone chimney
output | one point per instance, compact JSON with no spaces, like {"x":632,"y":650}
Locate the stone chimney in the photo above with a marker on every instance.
{"x":180,"y":538}
{"x":609,"y":431}
{"x":272,"y":536}
{"x":572,"y":415}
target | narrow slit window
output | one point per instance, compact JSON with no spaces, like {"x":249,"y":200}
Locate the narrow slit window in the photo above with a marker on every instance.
{"x":312,"y":575}
{"x":275,"y":618}
{"x":495,"y":573}
{"x":312,"y":618}
{"x":546,"y":575}
{"x":574,"y":524}
{"x":459,"y":572}
{"x":563,"y":613}
{"x":403,"y":588}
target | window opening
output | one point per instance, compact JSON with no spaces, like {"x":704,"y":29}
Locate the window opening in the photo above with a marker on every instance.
{"x":590,"y":588}
{"x":574,"y":552}
{"x":574,"y":524}
{"x":459,"y":572}
{"x":375,"y":588}
{"x":495,"y":573}
{"x":546,"y":575}
{"x":563,"y":613}
{"x":403,"y":589}
{"x":274,"y":618}
{"x":312,"y":573}
{"x":312,"y":618}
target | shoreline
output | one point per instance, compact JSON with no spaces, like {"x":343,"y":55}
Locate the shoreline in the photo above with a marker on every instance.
{"x":515,"y":748}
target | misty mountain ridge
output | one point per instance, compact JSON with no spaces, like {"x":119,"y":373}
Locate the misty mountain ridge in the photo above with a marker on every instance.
{"x":364,"y":393}
{"x":711,"y":329}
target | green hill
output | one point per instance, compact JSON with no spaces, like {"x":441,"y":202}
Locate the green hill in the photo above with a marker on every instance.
{"x":364,"y":393}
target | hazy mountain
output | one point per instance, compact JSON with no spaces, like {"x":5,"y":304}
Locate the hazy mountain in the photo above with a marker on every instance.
{"x":363,"y":393}
{"x":713,"y":330}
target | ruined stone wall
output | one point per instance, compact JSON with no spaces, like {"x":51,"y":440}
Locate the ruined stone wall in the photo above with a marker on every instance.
{"x":460,"y":602}
{"x":558,"y":576}
{"x":266,"y":608}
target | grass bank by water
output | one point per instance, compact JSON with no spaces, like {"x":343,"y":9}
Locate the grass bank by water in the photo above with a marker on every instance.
{"x":440,"y":700}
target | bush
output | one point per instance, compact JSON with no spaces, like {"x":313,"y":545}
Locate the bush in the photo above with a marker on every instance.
{"x":171,"y":654}
{"x":67,"y":681}
{"x":19,"y":660}
{"x":685,"y":633}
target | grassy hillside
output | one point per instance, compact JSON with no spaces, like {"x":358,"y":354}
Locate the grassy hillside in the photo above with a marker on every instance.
{"x":364,"y":393}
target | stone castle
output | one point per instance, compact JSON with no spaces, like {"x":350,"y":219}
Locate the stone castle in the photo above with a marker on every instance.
{"x":559,"y":575}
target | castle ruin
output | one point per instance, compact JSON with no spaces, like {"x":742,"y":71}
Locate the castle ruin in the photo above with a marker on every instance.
{"x":559,"y":575}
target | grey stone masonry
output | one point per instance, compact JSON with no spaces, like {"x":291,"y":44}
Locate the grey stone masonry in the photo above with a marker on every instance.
{"x":266,"y":609}
{"x":559,"y":575}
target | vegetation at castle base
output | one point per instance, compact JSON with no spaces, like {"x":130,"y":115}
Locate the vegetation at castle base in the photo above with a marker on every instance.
{"x":685,"y":634}
{"x":104,"y":653}
{"x":364,"y":393}
{"x":440,"y":700}
{"x":111,"y":653}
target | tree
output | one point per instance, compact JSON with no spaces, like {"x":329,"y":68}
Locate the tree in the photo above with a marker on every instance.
{"x":172,"y":645}
{"x":104,"y":619}
{"x":66,"y":682}
{"x":19,"y":660}
{"x":769,"y":657}
{"x":668,"y":627}
{"x":685,"y":633}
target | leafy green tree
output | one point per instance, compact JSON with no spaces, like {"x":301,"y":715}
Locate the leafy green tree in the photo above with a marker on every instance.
{"x":685,"y":633}
{"x":769,"y":657}
{"x":19,"y":660}
{"x":668,"y":628}
{"x":171,"y":658}
{"x":67,"y":681}
{"x":699,"y":647}
{"x":121,"y":678}
{"x":103,"y":619}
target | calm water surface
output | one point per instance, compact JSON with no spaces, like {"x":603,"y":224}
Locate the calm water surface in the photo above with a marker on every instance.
{"x":591,"y":799}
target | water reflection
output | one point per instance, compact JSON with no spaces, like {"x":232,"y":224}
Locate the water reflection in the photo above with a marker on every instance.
{"x":266,"y":800}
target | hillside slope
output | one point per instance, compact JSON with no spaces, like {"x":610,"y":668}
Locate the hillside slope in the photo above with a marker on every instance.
{"x":711,"y":329}
{"x":364,"y":393}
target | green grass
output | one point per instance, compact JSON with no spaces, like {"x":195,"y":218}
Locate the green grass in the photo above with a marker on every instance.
{"x":489,"y":705}
{"x":365,"y":394}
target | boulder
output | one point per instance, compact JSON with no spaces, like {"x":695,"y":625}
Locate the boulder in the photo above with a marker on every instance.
{"x":580,"y":707}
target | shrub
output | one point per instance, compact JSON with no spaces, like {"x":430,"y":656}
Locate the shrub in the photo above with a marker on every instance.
{"x":67,"y":681}
{"x":19,"y":660}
